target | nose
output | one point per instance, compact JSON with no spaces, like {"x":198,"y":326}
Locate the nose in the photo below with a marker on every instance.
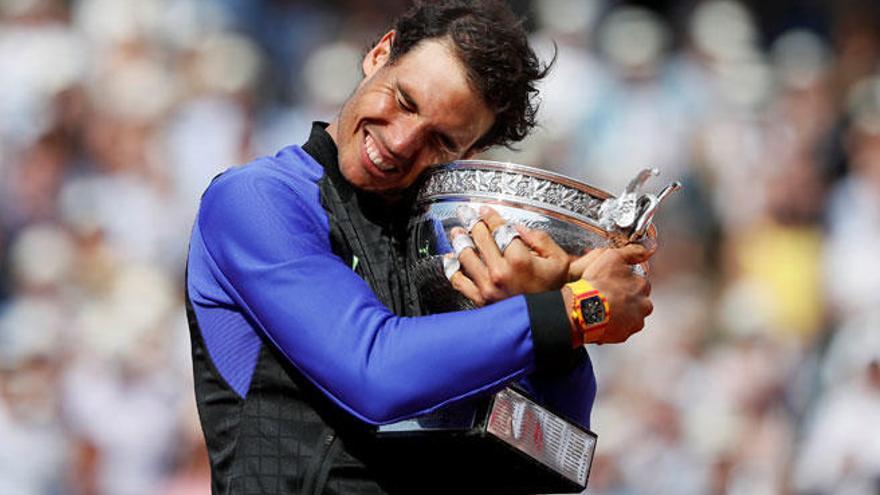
{"x":405,"y":138}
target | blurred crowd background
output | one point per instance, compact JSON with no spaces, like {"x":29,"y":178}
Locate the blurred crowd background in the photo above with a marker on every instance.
{"x":757,"y":374}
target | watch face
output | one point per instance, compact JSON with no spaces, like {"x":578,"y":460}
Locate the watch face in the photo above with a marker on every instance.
{"x":593,"y":310}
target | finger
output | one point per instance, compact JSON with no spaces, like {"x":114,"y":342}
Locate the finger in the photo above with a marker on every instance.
{"x":467,"y":288}
{"x":634,"y":253}
{"x":485,"y":242}
{"x":491,"y":217}
{"x":460,"y":240}
{"x":450,"y":265}
{"x":517,"y":257}
{"x":650,"y":244}
{"x":475,"y":269}
{"x":467,"y":217}
{"x":540,"y":242}
{"x":577,"y":267}
{"x":495,"y":221}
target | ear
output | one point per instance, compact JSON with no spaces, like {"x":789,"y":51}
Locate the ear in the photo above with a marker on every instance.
{"x":378,"y":55}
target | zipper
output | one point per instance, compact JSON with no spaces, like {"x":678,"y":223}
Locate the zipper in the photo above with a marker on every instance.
{"x":333,"y":448}
{"x":316,"y":474}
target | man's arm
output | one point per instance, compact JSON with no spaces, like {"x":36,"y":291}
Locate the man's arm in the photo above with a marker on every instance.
{"x":534,"y":262}
{"x":270,"y":254}
{"x":571,"y":394}
{"x":490,"y":275}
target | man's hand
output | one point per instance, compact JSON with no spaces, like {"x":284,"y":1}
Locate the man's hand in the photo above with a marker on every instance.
{"x":611,"y":272}
{"x":531,"y":263}
{"x":579,"y":264}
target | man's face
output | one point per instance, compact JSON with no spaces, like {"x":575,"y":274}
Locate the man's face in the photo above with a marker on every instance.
{"x":408,"y":115}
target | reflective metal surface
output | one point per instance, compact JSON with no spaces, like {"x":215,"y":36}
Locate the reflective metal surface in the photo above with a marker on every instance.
{"x":551,"y":454}
{"x":556,"y":443}
{"x":577,"y":216}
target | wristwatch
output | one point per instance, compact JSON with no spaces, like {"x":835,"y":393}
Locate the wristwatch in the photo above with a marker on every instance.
{"x":590,"y":312}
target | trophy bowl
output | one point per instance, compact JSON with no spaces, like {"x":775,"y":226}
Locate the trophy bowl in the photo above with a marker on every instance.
{"x":545,"y":453}
{"x":579,"y":217}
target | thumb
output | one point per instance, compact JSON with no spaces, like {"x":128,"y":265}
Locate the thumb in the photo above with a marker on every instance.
{"x":540,"y":242}
{"x":634,"y":253}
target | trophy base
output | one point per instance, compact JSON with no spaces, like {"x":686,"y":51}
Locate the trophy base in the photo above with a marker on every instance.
{"x":506,"y":444}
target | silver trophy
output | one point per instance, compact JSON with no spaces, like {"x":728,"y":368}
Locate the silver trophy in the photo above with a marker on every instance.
{"x":577,"y":216}
{"x":523,"y":445}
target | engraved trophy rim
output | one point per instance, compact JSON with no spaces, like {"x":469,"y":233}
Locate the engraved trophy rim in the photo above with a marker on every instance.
{"x":540,"y":173}
{"x":576,"y":202}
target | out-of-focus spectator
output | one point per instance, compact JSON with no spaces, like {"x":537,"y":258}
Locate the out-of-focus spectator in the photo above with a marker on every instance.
{"x":639,"y":119}
{"x":757,"y":373}
{"x":838,"y":455}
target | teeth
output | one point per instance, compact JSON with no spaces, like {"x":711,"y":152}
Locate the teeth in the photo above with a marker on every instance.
{"x":375,"y":156}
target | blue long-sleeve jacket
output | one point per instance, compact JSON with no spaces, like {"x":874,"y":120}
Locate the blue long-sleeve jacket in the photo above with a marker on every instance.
{"x":263,"y":271}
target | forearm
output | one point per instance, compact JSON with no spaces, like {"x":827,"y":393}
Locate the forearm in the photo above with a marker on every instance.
{"x":570,"y":394}
{"x":267,"y":249}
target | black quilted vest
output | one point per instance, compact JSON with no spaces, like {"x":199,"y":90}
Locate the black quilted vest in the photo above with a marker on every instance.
{"x":286,"y":437}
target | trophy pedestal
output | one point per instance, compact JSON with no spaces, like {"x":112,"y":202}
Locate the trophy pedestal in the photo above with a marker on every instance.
{"x":507,"y":444}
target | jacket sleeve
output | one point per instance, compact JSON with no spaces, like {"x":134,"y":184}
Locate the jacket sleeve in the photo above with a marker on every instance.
{"x":268,"y":248}
{"x":571,"y":394}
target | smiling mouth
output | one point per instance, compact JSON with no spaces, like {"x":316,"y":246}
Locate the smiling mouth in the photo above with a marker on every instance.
{"x":375,"y":156}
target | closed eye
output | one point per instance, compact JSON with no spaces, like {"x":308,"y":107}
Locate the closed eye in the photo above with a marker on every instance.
{"x":447,"y":143}
{"x":405,"y":102}
{"x":403,"y":105}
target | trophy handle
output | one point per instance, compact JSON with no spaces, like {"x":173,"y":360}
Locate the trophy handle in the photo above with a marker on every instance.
{"x":650,"y":204}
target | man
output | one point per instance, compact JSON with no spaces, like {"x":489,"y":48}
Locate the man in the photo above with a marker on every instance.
{"x":300,"y":307}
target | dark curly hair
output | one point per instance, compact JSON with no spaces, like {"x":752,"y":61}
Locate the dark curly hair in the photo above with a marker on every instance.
{"x":491,"y":42}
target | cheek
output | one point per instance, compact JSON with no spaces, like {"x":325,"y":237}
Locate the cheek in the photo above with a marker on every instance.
{"x":376,"y":106}
{"x":427,"y":160}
